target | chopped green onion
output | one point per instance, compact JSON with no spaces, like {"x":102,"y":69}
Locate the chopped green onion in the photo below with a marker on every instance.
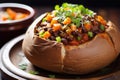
{"x":41,"y":33}
{"x":57,"y":7}
{"x":90,"y":34}
{"x":82,"y":8}
{"x":43,"y":20}
{"x":68,"y":13}
{"x":51,"y":76}
{"x":78,"y":10}
{"x":78,"y":38}
{"x":90,"y":13}
{"x":76,"y":21}
{"x":58,"y":39}
{"x":102,"y":27}
{"x":34,"y":72}
{"x":65,"y":5}
{"x":23,"y":66}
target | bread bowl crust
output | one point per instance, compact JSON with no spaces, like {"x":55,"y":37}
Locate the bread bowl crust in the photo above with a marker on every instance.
{"x":40,"y":55}
{"x":90,"y":56}
{"x":114,"y":33}
{"x":82,"y":59}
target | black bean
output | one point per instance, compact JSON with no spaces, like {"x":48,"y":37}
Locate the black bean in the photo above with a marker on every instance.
{"x":59,"y":31}
{"x":96,"y":32}
{"x":80,"y":35}
{"x":86,"y":17}
{"x":64,"y":41}
{"x":100,"y":31}
{"x":44,"y":23}
{"x":95,"y":23}
{"x":75,"y":33}
{"x":69,"y":38}
{"x":36,"y":30}
{"x":84,"y":30}
{"x":50,"y":30}
{"x":89,"y":18}
{"x":52,"y":38}
{"x":95,"y":28}
{"x":45,"y":28}
{"x":55,"y":34}
{"x":62,"y":34}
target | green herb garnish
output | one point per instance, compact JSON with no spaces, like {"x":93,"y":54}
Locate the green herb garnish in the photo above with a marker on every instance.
{"x":34,"y":72}
{"x":51,"y":76}
{"x":43,"y":20}
{"x":58,"y":39}
{"x":78,"y":38}
{"x":23,"y":66}
{"x":74,"y":11}
{"x":76,"y":21}
{"x":57,"y":7}
{"x":90,"y":34}
{"x":41,"y":33}
{"x":102,"y":27}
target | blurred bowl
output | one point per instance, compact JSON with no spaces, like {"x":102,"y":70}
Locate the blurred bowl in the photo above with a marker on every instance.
{"x":13,"y":28}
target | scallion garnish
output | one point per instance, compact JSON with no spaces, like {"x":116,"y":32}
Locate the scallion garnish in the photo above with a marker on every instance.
{"x":51,"y":76}
{"x":23,"y":66}
{"x":41,"y":33}
{"x":78,"y":38}
{"x":58,"y":39}
{"x":90,"y":34}
{"x":34,"y":72}
{"x":74,"y":11}
{"x":102,"y":27}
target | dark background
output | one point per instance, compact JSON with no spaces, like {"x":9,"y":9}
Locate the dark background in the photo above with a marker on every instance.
{"x":42,"y":6}
{"x":109,"y":9}
{"x":92,"y":3}
{"x":48,"y":5}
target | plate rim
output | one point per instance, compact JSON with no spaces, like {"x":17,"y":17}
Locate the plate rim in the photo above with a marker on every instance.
{"x":4,"y":58}
{"x":5,"y":71}
{"x":7,"y":62}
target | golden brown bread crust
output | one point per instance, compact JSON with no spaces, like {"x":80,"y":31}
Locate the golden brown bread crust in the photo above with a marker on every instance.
{"x":82,"y":59}
{"x":90,"y":56}
{"x":114,"y":33}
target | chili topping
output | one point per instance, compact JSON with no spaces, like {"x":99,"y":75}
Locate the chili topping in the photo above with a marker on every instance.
{"x":71,"y":24}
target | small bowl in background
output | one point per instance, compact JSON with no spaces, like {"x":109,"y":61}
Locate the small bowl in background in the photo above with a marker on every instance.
{"x":13,"y":28}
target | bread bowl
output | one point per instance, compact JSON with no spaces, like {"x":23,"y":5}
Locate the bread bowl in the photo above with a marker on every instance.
{"x":79,"y":55}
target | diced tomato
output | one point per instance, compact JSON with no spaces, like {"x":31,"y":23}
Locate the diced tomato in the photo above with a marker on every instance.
{"x":73,"y":27}
{"x":56,"y":27}
{"x":101,"y":20}
{"x":46,"y":35}
{"x":74,"y":42}
{"x":85,"y":37}
{"x":88,"y":26}
{"x":67,"y":21}
{"x":53,"y":22}
{"x":48,"y":17}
